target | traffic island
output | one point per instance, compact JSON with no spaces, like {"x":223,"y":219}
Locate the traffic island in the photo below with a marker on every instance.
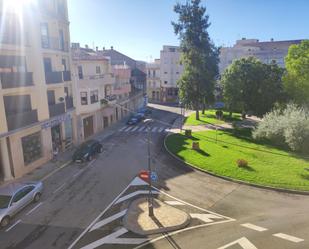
{"x":166,"y":218}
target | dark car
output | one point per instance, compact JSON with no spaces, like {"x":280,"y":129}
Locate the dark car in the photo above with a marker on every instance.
{"x":135,"y":119}
{"x":145,"y":111}
{"x":87,"y":150}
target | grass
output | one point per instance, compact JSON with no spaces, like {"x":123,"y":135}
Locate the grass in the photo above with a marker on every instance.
{"x":210,"y":118}
{"x":267,"y":165}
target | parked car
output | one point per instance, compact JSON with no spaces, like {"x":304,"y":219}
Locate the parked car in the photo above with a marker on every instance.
{"x":87,"y":150}
{"x":135,"y":119}
{"x":15,"y":196}
{"x":144,"y":110}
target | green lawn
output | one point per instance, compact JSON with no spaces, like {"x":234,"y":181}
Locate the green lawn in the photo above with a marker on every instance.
{"x":267,"y":165}
{"x":210,"y":118}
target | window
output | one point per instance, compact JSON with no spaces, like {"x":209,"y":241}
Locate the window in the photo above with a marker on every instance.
{"x":165,"y":82}
{"x":154,"y":73}
{"x":80,"y":72}
{"x":83,"y":98}
{"x":18,"y":196}
{"x":98,"y":70}
{"x":170,"y":92}
{"x":32,"y":148}
{"x":176,"y":92}
{"x":165,"y":72}
{"x":94,"y":96}
{"x":153,"y":95}
{"x":44,"y":35}
{"x":177,"y":72}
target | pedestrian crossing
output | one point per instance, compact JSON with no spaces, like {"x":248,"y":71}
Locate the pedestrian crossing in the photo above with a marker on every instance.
{"x":144,"y":128}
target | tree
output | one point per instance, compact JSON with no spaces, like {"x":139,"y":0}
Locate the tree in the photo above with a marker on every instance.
{"x":250,"y":85}
{"x":296,"y":79}
{"x":199,"y":55}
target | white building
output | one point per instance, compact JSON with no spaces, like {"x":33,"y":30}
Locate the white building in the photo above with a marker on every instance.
{"x":154,"y":81}
{"x":266,"y":52}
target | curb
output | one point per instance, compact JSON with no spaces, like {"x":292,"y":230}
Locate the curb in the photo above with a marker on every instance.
{"x":281,"y":190}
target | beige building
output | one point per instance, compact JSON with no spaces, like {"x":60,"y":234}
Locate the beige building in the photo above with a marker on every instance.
{"x":170,"y":71}
{"x":267,"y":52}
{"x":102,"y":91}
{"x":36,"y":104}
{"x":154,"y":81}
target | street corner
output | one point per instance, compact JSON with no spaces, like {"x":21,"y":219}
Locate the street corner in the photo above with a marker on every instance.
{"x":108,"y":230}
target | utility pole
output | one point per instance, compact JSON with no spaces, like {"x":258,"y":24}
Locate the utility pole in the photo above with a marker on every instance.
{"x":150,"y":196}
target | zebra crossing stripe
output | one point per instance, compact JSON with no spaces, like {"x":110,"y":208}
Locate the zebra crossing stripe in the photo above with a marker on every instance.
{"x":102,"y":223}
{"x":142,"y":128}
{"x":135,"y":128}
{"x":129,"y":128}
{"x":154,"y":129}
{"x":123,"y":128}
{"x":139,"y":192}
{"x":161,"y":129}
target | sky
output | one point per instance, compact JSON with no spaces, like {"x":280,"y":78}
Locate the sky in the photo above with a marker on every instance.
{"x":139,"y":28}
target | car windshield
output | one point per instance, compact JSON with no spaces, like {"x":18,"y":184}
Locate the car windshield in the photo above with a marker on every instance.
{"x":84,"y":148}
{"x":4,"y":201}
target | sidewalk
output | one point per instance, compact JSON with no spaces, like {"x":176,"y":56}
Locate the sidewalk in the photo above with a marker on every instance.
{"x":64,"y":158}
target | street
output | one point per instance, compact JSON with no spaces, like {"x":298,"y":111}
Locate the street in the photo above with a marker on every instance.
{"x":76,"y":195}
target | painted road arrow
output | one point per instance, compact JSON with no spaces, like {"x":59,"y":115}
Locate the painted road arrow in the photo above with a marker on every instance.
{"x":243,"y":242}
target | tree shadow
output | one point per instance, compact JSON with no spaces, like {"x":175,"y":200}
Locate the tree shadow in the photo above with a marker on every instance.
{"x":202,"y":152}
{"x":305,"y":176}
{"x":248,"y":168}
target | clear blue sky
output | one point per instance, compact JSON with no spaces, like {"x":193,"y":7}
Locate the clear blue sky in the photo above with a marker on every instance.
{"x":139,"y":28}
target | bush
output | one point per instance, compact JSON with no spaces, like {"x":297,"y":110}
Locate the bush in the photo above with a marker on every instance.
{"x":289,"y":126}
{"x":242,"y":163}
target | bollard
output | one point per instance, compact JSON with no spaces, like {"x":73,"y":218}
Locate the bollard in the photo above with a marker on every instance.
{"x":195,"y":145}
{"x":188,"y":133}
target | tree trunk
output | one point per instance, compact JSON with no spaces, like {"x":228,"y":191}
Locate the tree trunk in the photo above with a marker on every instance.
{"x":197,"y":114}
{"x":203,"y":107}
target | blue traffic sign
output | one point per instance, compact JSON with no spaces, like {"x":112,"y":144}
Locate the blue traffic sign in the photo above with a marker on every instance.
{"x":153,"y":176}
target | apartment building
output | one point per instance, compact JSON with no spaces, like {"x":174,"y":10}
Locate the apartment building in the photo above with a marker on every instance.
{"x":154,"y":82}
{"x":267,"y":51}
{"x":36,"y":103}
{"x":170,"y":71}
{"x":102,"y":91}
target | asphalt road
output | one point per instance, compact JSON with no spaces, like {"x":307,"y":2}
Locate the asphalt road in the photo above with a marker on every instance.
{"x":76,"y":195}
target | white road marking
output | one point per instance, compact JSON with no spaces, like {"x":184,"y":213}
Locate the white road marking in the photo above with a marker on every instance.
{"x":139,"y":192}
{"x":288,"y":237}
{"x":13,"y":225}
{"x":154,"y":129}
{"x":174,"y":203}
{"x":138,"y":182}
{"x":141,"y":128}
{"x":135,"y":128}
{"x":129,"y":128}
{"x":78,"y":173}
{"x":161,"y":129}
{"x":98,"y":217}
{"x":243,"y":242}
{"x":205,"y":217}
{"x":254,"y":227}
{"x":123,"y":128}
{"x":59,"y":188}
{"x":56,"y":170}
{"x":113,"y":239}
{"x":34,"y":208}
{"x":102,"y":223}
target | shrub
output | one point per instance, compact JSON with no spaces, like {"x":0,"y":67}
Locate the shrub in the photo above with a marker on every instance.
{"x":289,"y":126}
{"x":242,"y":163}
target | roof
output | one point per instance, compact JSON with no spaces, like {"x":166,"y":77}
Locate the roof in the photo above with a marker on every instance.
{"x":118,"y":58}
{"x":87,"y":54}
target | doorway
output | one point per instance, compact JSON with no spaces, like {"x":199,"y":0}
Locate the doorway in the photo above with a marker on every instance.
{"x":88,"y":126}
{"x":56,"y":138}
{"x":105,"y":122}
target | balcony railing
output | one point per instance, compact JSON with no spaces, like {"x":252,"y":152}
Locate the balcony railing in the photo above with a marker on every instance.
{"x":66,"y":75}
{"x":16,"y":79}
{"x":53,"y":77}
{"x":57,"y":109}
{"x":54,"y":43}
{"x":19,"y":120}
{"x":69,"y":102}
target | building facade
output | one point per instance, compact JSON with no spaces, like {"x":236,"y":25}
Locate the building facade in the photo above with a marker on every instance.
{"x":154,"y":82}
{"x":36,"y":97}
{"x":170,"y":72}
{"x":267,"y":52}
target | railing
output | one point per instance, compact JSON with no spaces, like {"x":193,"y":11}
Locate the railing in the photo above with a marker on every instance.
{"x":16,"y":79}
{"x":53,"y":77}
{"x":69,"y":102}
{"x":57,"y":109}
{"x":66,"y":75}
{"x":54,"y":43}
{"x":19,"y":120}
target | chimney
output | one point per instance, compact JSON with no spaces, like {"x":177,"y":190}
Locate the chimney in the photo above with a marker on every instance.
{"x":271,"y":39}
{"x":86,"y":46}
{"x":96,"y":49}
{"x":103,"y":48}
{"x":112,"y":47}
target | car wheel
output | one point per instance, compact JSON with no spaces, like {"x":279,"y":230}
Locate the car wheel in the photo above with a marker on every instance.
{"x":100,"y":150}
{"x":5,"y":221}
{"x":89,"y":158}
{"x":37,"y":197}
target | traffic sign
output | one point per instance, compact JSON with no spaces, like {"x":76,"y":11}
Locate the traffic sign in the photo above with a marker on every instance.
{"x":153,"y":176}
{"x":144,"y":175}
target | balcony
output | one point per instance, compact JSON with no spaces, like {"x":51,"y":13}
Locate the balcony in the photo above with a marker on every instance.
{"x":54,"y":43}
{"x":53,"y":77}
{"x":57,"y":109}
{"x":17,"y":79}
{"x":66,"y":75}
{"x":19,"y":120}
{"x":69,"y":102}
